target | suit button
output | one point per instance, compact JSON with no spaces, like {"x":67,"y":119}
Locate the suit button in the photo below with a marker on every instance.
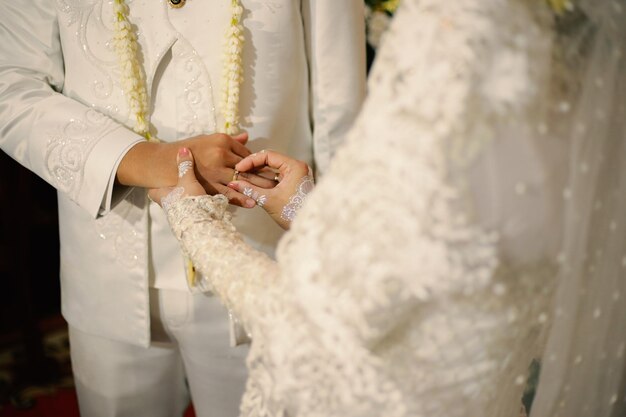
{"x":177,"y":3}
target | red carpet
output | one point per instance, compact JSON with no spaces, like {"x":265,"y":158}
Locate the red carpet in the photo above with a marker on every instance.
{"x":61,"y":403}
{"x":57,"y":398}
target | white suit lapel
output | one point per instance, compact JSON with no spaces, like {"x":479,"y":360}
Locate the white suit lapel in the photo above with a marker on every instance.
{"x":156,"y":33}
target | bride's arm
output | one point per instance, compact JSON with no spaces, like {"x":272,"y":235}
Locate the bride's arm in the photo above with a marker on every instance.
{"x":224,"y":263}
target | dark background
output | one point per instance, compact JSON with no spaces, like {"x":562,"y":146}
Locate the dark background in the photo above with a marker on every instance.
{"x":29,"y":249}
{"x":29,"y":287}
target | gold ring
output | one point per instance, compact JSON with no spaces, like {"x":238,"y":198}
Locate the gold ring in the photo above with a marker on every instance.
{"x":235,"y":175}
{"x":276,"y":177}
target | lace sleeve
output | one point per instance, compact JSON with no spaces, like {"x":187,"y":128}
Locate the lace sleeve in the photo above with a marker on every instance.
{"x":233,"y":270}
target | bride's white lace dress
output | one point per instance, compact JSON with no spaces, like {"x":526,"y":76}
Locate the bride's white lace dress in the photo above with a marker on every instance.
{"x":417,"y":280}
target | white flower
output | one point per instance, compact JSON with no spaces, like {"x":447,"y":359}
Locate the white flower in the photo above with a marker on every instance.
{"x":232,"y":72}
{"x":132,"y":79}
{"x":377,"y":24}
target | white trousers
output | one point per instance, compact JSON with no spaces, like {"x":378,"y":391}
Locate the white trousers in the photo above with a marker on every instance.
{"x":190,"y":334}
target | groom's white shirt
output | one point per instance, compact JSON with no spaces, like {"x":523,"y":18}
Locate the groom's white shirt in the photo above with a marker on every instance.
{"x":64,"y":116}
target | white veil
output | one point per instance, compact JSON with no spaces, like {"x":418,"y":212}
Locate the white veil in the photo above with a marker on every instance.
{"x":583,"y":368}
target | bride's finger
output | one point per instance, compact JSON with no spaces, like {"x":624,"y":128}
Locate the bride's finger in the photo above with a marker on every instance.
{"x":186,"y":174}
{"x":260,"y":179}
{"x":264,"y":158}
{"x":289,"y":169}
{"x":259,"y":195}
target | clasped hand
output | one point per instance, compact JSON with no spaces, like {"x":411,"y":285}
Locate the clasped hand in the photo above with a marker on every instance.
{"x":250,"y":178}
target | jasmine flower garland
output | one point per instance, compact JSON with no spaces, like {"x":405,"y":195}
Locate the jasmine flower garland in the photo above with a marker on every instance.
{"x":133,"y":80}
{"x":560,"y":6}
{"x":232,"y":71}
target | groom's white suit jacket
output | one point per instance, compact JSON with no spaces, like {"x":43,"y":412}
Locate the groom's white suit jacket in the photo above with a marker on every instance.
{"x":64,"y":116}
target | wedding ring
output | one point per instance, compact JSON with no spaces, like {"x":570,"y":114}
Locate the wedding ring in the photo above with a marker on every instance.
{"x":235,"y":175}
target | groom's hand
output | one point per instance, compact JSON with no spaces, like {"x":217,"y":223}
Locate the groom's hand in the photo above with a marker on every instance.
{"x":187,"y":185}
{"x":151,"y":165}
{"x":215,"y":157}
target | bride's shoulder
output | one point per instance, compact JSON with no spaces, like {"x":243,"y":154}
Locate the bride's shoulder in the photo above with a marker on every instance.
{"x":463,"y":40}
{"x":451,"y":63}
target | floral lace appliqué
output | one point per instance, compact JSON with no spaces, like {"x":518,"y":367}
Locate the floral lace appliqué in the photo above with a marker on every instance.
{"x":174,"y":195}
{"x":297,"y":200}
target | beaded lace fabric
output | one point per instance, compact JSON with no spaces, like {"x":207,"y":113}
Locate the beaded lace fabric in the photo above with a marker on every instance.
{"x":419,"y":278}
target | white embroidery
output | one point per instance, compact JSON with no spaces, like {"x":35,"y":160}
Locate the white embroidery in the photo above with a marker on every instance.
{"x":92,"y":22}
{"x":124,"y":227}
{"x":74,"y":9}
{"x":198,"y":114}
{"x":67,"y":150}
{"x":89,"y":14}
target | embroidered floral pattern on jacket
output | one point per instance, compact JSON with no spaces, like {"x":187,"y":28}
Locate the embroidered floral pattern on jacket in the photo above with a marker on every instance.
{"x":197,"y":97}
{"x":89,"y":14}
{"x":67,"y":150}
{"x":125,"y":228}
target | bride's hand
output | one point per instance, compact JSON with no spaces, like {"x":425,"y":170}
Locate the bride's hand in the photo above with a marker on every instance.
{"x":293,"y":179}
{"x":188,"y":184}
